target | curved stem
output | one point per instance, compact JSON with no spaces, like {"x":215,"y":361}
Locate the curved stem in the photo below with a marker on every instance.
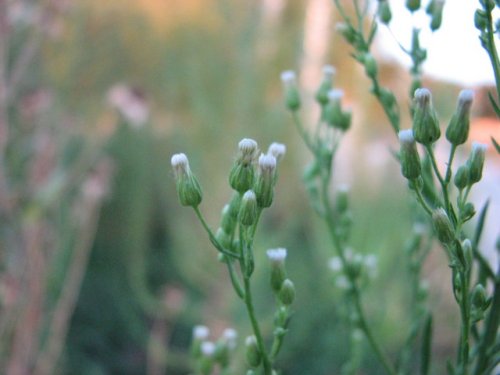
{"x":214,"y":241}
{"x":442,"y":182}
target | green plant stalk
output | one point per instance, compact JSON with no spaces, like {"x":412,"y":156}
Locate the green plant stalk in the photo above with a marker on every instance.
{"x":266,"y":362}
{"x":492,"y":52}
{"x":463,"y":358}
{"x":444,"y":188}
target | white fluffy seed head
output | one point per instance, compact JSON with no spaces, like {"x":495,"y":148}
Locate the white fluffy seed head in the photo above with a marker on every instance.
{"x":277,"y":255}
{"x":267,"y":163}
{"x":207,"y":348}
{"x":180,"y":164}
{"x":422,"y":96}
{"x":288,"y":77}
{"x":335,"y":95}
{"x":201,"y":332}
{"x":247,"y":146}
{"x":328,"y":72}
{"x":406,"y":136}
{"x":335,"y":264}
{"x":277,"y":150}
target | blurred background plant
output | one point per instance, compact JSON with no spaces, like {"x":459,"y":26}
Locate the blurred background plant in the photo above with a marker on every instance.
{"x":95,"y":96}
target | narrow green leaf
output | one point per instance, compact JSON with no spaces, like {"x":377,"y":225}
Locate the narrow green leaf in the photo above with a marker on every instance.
{"x":495,"y":143}
{"x":480,"y":225}
{"x":426,"y":346}
{"x":494,"y":104}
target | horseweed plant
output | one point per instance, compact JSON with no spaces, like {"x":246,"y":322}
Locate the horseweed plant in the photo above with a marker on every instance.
{"x":442,"y":197}
{"x":253,"y":179}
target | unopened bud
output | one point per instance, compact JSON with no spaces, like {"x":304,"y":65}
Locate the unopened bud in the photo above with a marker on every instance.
{"x":342,"y":199}
{"x":480,"y":19}
{"x":234,"y":206}
{"x":188,"y":188}
{"x":292,"y":97}
{"x":425,"y":123}
{"x":458,"y":129}
{"x":413,"y":5}
{"x":248,"y":208}
{"x":370,"y":65}
{"x":334,"y":115}
{"x":435,"y":10}
{"x":278,"y":274}
{"x":223,"y":238}
{"x":461,"y":179}
{"x":242,"y":175}
{"x":479,"y":299}
{"x":409,"y":158}
{"x":347,"y":31}
{"x":264,"y":187}
{"x":287,"y":292}
{"x":253,"y":354}
{"x":228,"y":223}
{"x":384,"y":12}
{"x":207,"y":360}
{"x":475,"y":162}
{"x":443,"y":227}
{"x":467,"y":212}
{"x":467,"y":255}
{"x":326,"y":84}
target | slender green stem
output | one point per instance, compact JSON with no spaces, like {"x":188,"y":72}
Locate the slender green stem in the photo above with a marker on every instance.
{"x":440,"y":178}
{"x":463,"y":358}
{"x":266,"y":362}
{"x":492,"y":52}
{"x":422,"y":201}
{"x":234,"y":280}
{"x":303,"y":134}
{"x":447,"y":178}
{"x":214,"y":241}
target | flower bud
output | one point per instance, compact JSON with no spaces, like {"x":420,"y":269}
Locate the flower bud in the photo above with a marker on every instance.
{"x":443,"y":227}
{"x":207,"y":360}
{"x":248,"y":208}
{"x":242,"y":175}
{"x":334,"y":115}
{"x":435,"y":10}
{"x":476,"y":161}
{"x":292,"y":97}
{"x":281,"y":316}
{"x":188,"y":188}
{"x":200,"y":335}
{"x":223,"y":238}
{"x":466,"y":248}
{"x":253,"y":354}
{"x":480,"y":19}
{"x":265,"y":180}
{"x":409,"y":158}
{"x":468,"y":212}
{"x":384,"y":11}
{"x":287,"y":292}
{"x":326,"y":84}
{"x":479,"y":299}
{"x":342,"y":198}
{"x":458,"y":129}
{"x":413,"y":5}
{"x":425,"y":123}
{"x":461,"y":179}
{"x":278,"y":274}
{"x":234,"y":206}
{"x":227,"y":221}
{"x":277,"y":150}
{"x":370,"y":65}
{"x":348,"y":32}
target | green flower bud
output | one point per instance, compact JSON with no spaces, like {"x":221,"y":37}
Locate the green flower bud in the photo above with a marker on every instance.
{"x":435,"y":10}
{"x":228,"y":223}
{"x":188,"y":188}
{"x":370,"y":65}
{"x":242,"y":175}
{"x":468,"y":212}
{"x":425,"y":123}
{"x":248,"y":208}
{"x":480,"y":19}
{"x":234,"y":206}
{"x":466,"y":248}
{"x":409,"y":158}
{"x":479,"y":299}
{"x":333,"y":114}
{"x":200,"y":335}
{"x":342,"y":198}
{"x":443,"y":227}
{"x":461,"y":179}
{"x":475,"y":162}
{"x":278,"y":274}
{"x":281,"y":316}
{"x":287,"y":292}
{"x":292,"y":96}
{"x":207,"y":359}
{"x":253,"y":354}
{"x":326,"y":85}
{"x":413,"y":5}
{"x":384,"y":12}
{"x":223,"y":238}
{"x":458,"y":129}
{"x":348,"y":32}
{"x":264,"y":186}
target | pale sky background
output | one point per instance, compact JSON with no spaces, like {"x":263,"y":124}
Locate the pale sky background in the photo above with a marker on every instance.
{"x":454,"y":51}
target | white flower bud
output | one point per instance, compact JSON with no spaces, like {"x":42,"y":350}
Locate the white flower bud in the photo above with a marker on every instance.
{"x":208,"y":348}
{"x":277,"y":255}
{"x":200,"y":332}
{"x":277,"y":150}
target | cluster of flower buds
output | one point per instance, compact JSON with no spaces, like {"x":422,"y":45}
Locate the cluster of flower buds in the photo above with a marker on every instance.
{"x":479,"y":303}
{"x":356,"y":266}
{"x":207,"y":354}
{"x":282,"y":287}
